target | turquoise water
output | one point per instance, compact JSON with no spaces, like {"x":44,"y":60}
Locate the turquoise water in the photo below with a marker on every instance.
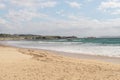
{"x":102,"y":41}
{"x":96,"y":46}
{"x":106,"y":41}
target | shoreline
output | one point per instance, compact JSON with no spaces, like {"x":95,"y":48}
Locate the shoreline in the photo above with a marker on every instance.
{"x":107,"y":59}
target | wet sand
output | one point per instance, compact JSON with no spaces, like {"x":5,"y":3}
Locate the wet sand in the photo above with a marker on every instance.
{"x":115,"y":60}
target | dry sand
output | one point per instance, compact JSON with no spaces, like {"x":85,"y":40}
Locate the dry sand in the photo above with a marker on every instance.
{"x":29,"y":64}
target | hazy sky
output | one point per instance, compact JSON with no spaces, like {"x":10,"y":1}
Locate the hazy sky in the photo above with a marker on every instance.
{"x":61,"y":17}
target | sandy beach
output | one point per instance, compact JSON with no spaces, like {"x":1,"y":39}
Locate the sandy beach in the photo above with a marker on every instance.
{"x":30,"y":64}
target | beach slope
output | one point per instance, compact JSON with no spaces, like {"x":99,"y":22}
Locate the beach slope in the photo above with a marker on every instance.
{"x":29,"y":64}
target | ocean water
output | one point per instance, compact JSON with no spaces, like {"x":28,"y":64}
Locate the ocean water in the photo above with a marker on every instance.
{"x":92,"y":46}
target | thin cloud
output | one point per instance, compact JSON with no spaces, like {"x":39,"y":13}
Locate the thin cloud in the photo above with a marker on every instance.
{"x":74,"y":4}
{"x":111,"y":6}
{"x":2,"y":5}
{"x":2,"y":21}
{"x":34,"y":3}
{"x":23,"y":15}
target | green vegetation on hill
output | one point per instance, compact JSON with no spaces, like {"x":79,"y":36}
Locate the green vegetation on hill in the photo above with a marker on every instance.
{"x":31,"y":37}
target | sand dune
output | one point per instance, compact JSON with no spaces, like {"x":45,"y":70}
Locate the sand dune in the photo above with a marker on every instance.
{"x":29,"y":64}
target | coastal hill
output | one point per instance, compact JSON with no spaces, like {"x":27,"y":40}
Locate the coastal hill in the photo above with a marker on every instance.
{"x":31,"y":37}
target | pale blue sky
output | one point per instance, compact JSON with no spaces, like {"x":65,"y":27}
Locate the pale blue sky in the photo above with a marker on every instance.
{"x":61,"y":17}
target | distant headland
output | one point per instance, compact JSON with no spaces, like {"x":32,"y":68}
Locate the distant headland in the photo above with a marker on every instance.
{"x":32,"y":37}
